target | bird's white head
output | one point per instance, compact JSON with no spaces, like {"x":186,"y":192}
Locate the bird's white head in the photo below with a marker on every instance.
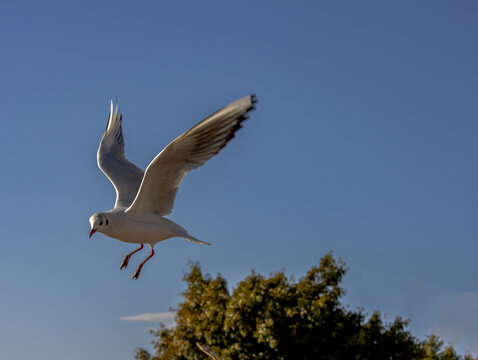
{"x":98,"y":222}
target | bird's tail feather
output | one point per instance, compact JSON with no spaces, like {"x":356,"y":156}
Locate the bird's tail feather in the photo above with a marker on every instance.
{"x":194,"y":240}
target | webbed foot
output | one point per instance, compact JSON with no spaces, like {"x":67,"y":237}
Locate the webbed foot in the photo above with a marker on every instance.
{"x":125,"y":262}
{"x":136,"y":273}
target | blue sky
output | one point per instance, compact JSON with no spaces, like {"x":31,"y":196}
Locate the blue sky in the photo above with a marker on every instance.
{"x":363,"y":142}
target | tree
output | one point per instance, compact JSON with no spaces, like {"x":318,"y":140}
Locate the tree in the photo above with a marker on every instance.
{"x":279,"y":318}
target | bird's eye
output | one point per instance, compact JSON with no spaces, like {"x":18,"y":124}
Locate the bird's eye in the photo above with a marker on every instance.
{"x":101,"y":223}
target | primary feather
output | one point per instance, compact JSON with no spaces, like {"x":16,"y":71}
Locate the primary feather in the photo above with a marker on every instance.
{"x":124,"y":175}
{"x":187,"y":152}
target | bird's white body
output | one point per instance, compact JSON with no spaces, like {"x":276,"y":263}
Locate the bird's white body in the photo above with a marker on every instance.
{"x":144,"y":198}
{"x":150,"y":229}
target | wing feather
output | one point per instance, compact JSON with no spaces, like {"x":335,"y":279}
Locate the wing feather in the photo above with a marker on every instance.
{"x":124,"y":175}
{"x":187,"y":152}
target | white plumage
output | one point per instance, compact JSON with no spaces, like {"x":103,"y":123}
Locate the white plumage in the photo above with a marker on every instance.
{"x":144,"y":198}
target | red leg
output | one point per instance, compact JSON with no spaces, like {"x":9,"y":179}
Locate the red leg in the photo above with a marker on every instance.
{"x":140,"y":266}
{"x":125,"y":262}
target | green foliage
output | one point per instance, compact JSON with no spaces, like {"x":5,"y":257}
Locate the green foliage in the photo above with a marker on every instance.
{"x":279,"y":318}
{"x":433,"y":349}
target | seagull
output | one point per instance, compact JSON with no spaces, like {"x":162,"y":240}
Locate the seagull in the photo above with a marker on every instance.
{"x":145,"y":198}
{"x":205,"y":349}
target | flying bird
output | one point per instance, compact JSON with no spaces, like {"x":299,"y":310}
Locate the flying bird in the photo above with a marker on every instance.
{"x":144,"y":198}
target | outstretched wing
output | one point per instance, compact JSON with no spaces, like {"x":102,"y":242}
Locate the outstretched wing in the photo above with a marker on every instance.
{"x":124,"y":175}
{"x":187,"y":152}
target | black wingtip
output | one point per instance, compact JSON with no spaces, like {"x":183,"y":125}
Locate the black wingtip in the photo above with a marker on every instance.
{"x":253,"y":102}
{"x":254,"y":99}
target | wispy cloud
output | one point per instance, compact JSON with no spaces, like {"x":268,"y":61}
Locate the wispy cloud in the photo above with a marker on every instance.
{"x":457,"y":319}
{"x":167,"y":318}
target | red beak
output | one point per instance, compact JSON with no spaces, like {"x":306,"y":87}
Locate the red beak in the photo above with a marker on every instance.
{"x":92,"y":232}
